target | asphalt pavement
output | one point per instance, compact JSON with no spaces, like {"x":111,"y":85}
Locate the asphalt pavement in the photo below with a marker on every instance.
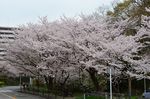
{"x":11,"y":92}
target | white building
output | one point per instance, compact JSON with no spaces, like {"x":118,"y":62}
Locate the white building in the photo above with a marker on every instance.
{"x":6,"y":35}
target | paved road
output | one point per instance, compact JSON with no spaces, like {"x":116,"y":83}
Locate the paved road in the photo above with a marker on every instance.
{"x":11,"y":93}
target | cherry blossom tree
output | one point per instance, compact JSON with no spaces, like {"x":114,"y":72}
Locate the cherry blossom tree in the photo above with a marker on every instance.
{"x":106,"y":45}
{"x":143,"y":36}
{"x":44,"y":50}
{"x":55,"y":50}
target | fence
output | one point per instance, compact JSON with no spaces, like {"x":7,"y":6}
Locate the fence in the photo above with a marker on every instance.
{"x":105,"y":95}
{"x":91,"y":95}
{"x":36,"y":91}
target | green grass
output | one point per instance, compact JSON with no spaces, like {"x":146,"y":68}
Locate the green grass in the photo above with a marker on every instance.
{"x":2,"y":83}
{"x":90,"y":97}
{"x":134,"y":97}
{"x":101,"y":97}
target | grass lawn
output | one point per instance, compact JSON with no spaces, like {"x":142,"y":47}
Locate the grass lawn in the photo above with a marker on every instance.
{"x":102,"y":97}
{"x":90,"y":97}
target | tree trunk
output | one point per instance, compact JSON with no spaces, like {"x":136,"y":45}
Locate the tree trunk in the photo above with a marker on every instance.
{"x":63,"y":84}
{"x":92,"y":72}
{"x":49,"y":83}
{"x":129,"y":86}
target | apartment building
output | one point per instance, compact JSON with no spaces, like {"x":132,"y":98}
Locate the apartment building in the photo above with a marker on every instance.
{"x":6,"y":35}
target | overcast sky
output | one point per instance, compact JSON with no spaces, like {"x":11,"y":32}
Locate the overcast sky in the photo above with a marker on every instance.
{"x":16,"y":12}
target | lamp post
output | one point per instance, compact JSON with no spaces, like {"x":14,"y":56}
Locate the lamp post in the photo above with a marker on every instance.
{"x":30,"y":81}
{"x":110,"y":78}
{"x":111,"y":71}
{"x":20,"y":80}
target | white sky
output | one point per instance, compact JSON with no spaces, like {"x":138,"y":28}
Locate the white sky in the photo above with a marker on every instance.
{"x":16,"y":12}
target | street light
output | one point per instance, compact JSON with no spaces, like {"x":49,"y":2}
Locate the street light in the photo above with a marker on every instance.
{"x":110,"y":78}
{"x":20,"y":82}
{"x":110,"y":70}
